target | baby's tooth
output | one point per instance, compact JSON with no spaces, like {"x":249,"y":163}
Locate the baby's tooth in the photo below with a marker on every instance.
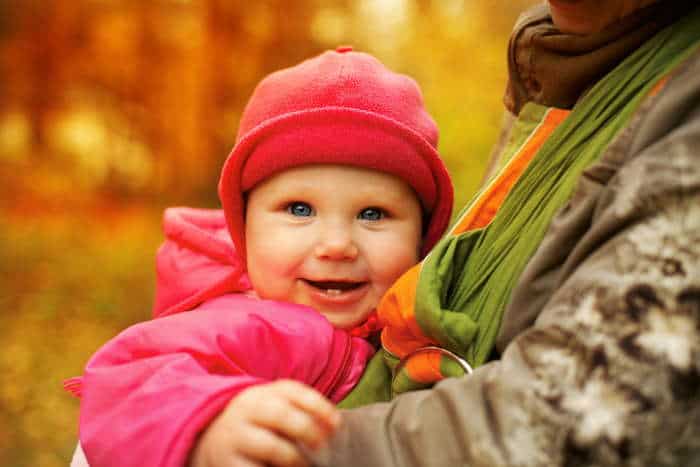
{"x":333,"y":291}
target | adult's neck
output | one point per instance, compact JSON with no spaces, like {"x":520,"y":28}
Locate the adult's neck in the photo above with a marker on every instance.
{"x":555,"y":68}
{"x":583,"y":17}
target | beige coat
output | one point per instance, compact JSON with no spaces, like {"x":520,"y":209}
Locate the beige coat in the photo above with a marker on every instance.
{"x":601,"y":343}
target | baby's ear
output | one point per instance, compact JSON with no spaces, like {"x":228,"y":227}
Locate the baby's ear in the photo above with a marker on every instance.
{"x":245,"y":205}
{"x":419,"y":247}
{"x":425,"y":223}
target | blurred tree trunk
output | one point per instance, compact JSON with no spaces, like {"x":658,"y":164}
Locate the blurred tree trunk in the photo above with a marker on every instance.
{"x":48,"y":37}
{"x":224,"y":45}
{"x":44,"y":58}
{"x":145,"y":88}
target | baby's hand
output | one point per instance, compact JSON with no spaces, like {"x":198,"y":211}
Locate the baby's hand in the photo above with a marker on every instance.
{"x":263,"y":424}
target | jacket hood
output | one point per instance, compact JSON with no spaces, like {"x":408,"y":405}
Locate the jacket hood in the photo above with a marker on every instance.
{"x":196,"y":262}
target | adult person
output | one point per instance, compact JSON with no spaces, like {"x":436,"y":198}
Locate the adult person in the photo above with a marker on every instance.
{"x":600,"y":341}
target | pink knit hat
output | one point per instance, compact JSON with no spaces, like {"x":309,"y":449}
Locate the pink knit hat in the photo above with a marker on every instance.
{"x":341,"y":107}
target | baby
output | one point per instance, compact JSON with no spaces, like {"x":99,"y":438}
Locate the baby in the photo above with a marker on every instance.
{"x":334,"y":188}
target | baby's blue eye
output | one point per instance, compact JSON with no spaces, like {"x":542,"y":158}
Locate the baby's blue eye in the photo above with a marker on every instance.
{"x":297,"y":208}
{"x":371,"y":214}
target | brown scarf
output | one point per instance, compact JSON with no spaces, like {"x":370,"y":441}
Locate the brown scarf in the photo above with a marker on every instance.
{"x":553,"y":68}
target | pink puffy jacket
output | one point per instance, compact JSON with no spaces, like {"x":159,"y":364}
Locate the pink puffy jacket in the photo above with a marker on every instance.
{"x":148,"y":392}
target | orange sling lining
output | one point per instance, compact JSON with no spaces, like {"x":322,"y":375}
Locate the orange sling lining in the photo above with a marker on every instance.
{"x":402,"y":334}
{"x":425,"y":367}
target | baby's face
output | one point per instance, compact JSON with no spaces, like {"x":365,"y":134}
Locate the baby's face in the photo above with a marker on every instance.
{"x":332,"y":237}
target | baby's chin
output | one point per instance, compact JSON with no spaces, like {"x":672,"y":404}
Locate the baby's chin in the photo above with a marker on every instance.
{"x":346,"y":320}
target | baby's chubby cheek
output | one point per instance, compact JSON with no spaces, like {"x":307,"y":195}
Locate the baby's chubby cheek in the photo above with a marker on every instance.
{"x":269,"y":278}
{"x":402,"y":259}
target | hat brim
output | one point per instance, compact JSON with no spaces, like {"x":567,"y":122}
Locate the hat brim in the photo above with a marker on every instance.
{"x":336,"y":135}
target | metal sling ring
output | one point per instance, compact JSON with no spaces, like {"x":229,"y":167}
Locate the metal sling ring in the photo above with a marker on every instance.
{"x":431,"y":348}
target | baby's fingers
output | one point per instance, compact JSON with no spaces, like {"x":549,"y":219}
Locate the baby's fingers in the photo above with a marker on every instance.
{"x":260,"y":445}
{"x":283,"y":417}
{"x":291,"y":409}
{"x":312,"y":402}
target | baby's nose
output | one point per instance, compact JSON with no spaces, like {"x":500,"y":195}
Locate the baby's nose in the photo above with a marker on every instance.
{"x":336,"y":243}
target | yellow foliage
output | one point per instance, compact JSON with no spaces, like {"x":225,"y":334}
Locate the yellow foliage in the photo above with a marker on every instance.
{"x":112,"y":109}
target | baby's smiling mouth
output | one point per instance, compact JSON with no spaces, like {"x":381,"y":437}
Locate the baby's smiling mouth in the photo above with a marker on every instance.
{"x":334,"y":287}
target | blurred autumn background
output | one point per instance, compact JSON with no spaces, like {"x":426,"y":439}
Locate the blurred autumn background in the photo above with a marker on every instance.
{"x":111,"y":110}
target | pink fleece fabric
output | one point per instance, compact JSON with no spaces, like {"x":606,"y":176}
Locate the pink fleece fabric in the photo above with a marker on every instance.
{"x":151,"y":390}
{"x":340,"y":107}
{"x":196,"y":262}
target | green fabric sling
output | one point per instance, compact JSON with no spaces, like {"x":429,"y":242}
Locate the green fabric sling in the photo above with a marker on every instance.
{"x":466,"y":282}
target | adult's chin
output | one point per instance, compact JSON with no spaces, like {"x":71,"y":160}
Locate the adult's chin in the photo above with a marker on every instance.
{"x":582,"y":16}
{"x":590,"y":16}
